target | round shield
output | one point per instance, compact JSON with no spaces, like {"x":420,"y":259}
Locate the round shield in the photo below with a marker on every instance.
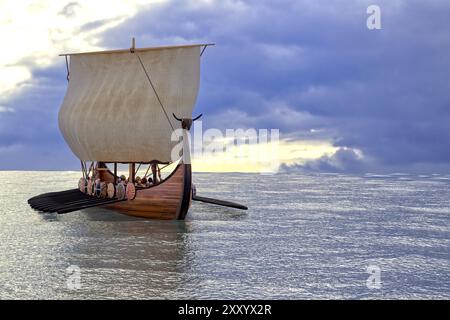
{"x":82,"y":185}
{"x":131,"y":191}
{"x":103,"y":190}
{"x":111,"y":190}
{"x":120,"y":191}
{"x":89,"y":187}
{"x":93,"y":188}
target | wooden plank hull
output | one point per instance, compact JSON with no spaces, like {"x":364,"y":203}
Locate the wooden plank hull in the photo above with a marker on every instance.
{"x":169,"y":200}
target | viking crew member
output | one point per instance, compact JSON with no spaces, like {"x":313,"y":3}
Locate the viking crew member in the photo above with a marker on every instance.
{"x":138,"y":182}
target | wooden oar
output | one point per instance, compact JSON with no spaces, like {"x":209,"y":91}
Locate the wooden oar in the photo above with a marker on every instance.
{"x":62,"y":199}
{"x":59,"y":198}
{"x":220,"y":202}
{"x":52,"y":194}
{"x":59,"y":206}
{"x":80,"y":207}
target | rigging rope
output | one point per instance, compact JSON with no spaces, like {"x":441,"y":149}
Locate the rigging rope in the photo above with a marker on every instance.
{"x":67,"y":67}
{"x":149,"y":166}
{"x":90,"y":168}
{"x":137,"y":170}
{"x":154,"y":90}
{"x":204,"y":48}
{"x":82,"y":169}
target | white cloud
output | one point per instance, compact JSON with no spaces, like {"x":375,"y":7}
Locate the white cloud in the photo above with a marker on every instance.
{"x":282,"y":53}
{"x":35,"y":32}
{"x":6,"y":109}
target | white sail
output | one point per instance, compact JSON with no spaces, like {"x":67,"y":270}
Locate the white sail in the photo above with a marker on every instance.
{"x":112,"y":114}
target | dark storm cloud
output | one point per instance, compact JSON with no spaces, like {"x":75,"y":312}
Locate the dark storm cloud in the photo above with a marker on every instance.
{"x":343,"y":160}
{"x":308,"y":64}
{"x":302,"y":65}
{"x":29,"y":136}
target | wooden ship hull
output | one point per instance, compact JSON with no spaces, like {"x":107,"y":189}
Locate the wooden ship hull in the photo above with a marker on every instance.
{"x":168,"y":200}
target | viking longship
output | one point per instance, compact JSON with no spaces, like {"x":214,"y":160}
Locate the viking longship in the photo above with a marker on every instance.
{"x":125,"y":107}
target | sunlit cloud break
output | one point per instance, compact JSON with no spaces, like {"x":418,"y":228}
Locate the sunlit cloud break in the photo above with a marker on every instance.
{"x":35,"y":32}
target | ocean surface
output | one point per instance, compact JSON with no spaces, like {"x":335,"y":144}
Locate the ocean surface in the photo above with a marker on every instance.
{"x":305,"y":236}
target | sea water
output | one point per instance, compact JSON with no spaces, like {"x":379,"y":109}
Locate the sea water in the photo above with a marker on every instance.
{"x":305,"y":236}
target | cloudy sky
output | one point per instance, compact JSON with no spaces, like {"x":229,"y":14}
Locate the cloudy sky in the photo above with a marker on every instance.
{"x":345,"y":98}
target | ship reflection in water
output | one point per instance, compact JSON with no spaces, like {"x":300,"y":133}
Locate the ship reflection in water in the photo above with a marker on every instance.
{"x":117,"y":256}
{"x":304,"y":236}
